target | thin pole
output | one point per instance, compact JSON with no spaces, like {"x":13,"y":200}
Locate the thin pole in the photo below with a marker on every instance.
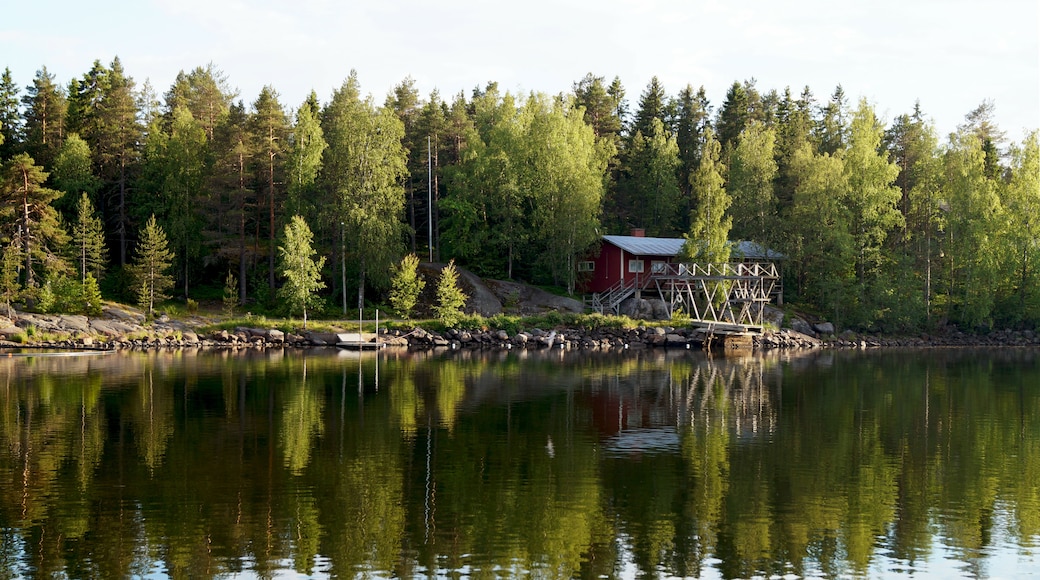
{"x":429,"y":192}
{"x":343,"y":263}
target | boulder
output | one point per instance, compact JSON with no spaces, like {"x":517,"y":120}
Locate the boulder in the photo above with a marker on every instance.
{"x":824,"y":328}
{"x":799,"y":325}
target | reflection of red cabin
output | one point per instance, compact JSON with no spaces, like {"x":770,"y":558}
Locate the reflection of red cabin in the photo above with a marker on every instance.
{"x":637,"y":258}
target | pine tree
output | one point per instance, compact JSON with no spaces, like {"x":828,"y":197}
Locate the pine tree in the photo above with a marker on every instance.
{"x":151,"y":265}
{"x":10,"y":116}
{"x":406,"y":286}
{"x":450,"y":298}
{"x":45,"y":110}
{"x":31,"y":216}
{"x":269,"y":128}
{"x":301,"y":271}
{"x":88,"y":238}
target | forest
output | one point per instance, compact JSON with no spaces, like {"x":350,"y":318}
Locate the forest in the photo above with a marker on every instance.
{"x":885,"y":225}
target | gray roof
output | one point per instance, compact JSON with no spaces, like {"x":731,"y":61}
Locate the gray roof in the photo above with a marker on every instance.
{"x":641,"y":246}
{"x":647,"y":246}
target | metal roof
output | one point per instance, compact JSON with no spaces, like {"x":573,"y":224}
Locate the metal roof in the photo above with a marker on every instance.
{"x":642,"y":246}
{"x":647,"y":246}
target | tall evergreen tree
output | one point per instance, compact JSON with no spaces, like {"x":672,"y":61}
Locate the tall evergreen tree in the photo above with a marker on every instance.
{"x":150,"y":269}
{"x":601,"y":109}
{"x":691,"y":121}
{"x":733,"y":116}
{"x":434,"y":153}
{"x":88,"y":241}
{"x":913,"y":147}
{"x":649,"y":195}
{"x":45,"y":108}
{"x":27,"y":214}
{"x":405,"y":103}
{"x":233,"y":224}
{"x":10,"y":116}
{"x":269,"y":127}
{"x":118,"y":140}
{"x":980,"y":123}
{"x":832,"y":126}
{"x":708,"y":238}
{"x":205,"y":92}
{"x":652,"y":105}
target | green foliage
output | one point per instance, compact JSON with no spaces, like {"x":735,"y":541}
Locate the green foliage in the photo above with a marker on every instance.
{"x":90,"y":296}
{"x":406,"y":286}
{"x":27,"y":204}
{"x":230,"y":296}
{"x":88,"y":240}
{"x":45,"y":298}
{"x":363,"y":168}
{"x":752,"y":172}
{"x":450,"y":298}
{"x":10,"y":266}
{"x":301,"y":271}
{"x":708,"y":238}
{"x":149,"y":272}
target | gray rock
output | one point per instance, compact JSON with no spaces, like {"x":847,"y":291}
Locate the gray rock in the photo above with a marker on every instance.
{"x":824,"y":328}
{"x":74,"y":322}
{"x":801,"y":326}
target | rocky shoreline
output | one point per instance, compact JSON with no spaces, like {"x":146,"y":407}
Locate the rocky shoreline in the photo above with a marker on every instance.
{"x":119,"y":329}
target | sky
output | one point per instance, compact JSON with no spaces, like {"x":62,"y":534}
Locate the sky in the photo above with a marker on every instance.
{"x":949,"y":55}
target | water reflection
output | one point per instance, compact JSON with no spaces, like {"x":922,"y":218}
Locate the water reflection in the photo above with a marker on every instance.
{"x":651,"y":463}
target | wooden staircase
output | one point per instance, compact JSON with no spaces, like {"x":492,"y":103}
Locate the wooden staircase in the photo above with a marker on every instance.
{"x":611,"y":298}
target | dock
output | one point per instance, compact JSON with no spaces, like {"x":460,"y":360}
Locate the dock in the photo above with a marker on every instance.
{"x":358,"y":341}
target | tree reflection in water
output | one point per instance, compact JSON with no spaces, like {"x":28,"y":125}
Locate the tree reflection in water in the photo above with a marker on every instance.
{"x":655,"y":463}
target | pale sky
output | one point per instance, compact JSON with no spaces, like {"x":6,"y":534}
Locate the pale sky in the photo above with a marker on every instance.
{"x":951,"y":55}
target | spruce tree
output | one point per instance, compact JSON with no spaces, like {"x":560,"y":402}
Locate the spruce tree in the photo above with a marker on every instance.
{"x":151,"y":266}
{"x":88,"y":238}
{"x":406,"y":286}
{"x":450,"y":298}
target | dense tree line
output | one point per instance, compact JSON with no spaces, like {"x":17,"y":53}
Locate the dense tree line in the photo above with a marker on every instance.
{"x":886,"y":226}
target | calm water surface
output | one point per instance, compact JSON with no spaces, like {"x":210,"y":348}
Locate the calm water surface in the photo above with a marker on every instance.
{"x":318,"y":464}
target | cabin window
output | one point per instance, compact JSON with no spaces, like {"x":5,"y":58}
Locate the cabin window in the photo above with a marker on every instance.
{"x":587,"y":266}
{"x":658,"y":267}
{"x":635,"y":266}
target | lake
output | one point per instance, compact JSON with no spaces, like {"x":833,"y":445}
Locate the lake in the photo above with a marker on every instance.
{"x":324,"y":463}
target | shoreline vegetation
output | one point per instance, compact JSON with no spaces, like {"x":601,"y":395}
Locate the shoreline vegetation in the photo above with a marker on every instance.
{"x":111,"y":190}
{"x":124,"y":328}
